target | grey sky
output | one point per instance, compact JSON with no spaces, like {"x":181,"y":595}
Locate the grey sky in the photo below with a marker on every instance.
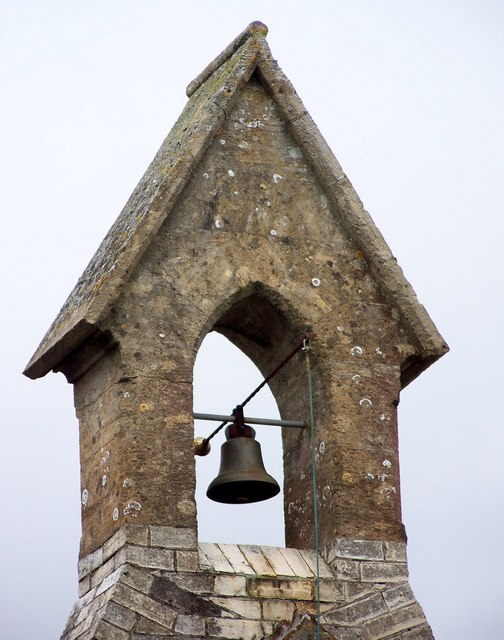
{"x":410,"y":96}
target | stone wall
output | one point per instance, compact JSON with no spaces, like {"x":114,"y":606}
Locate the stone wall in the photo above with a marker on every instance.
{"x":148,"y":583}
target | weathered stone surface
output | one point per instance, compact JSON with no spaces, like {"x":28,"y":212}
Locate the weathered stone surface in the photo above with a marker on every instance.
{"x":120,"y":616}
{"x":384,"y":572}
{"x":140,"y":579}
{"x":330,"y":590}
{"x":230,"y":585}
{"x":190,"y":625}
{"x":187,"y":561}
{"x":235,"y":629}
{"x":242,"y":607}
{"x":390,"y":623}
{"x":278,"y":609}
{"x":358,"y":612}
{"x":214,"y":557}
{"x":257,"y":560}
{"x":173,"y":537}
{"x":355,"y":550}
{"x":278,"y":588}
{"x":182,"y":600}
{"x":244,"y":172}
{"x":399,"y":596}
{"x":420,"y":633}
{"x":109,"y":581}
{"x":146,"y":628}
{"x":107,"y":631}
{"x":395,"y":551}
{"x":152,"y":558}
{"x":347,"y":569}
{"x":90,"y":562}
{"x":144,"y":605}
{"x":297,"y":563}
{"x":236,"y":559}
{"x":200,"y":583}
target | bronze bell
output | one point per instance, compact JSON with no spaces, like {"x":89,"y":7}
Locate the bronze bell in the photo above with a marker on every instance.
{"x":242,"y":477}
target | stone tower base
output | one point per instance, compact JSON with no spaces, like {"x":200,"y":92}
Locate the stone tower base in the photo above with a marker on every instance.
{"x":157,"y":582}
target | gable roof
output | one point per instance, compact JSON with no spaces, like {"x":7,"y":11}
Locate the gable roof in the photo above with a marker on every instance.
{"x":211,"y":96}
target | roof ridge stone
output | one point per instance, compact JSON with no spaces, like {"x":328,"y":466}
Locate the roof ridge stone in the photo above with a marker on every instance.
{"x":256,"y":30}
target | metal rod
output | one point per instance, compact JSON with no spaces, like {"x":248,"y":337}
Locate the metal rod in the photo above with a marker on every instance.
{"x":267,"y":421}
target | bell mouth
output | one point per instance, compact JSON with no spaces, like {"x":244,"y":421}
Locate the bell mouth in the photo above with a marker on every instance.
{"x":228,"y":491}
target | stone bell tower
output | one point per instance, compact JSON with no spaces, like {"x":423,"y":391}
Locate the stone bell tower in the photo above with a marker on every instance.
{"x":244,"y":224}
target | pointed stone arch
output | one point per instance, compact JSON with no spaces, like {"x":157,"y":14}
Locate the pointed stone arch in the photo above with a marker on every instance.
{"x":223,"y":376}
{"x":267,"y":327}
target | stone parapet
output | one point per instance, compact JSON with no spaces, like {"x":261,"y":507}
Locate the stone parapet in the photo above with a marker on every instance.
{"x":151,"y":582}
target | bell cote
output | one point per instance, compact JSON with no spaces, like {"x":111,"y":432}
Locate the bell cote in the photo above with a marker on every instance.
{"x":244,"y":224}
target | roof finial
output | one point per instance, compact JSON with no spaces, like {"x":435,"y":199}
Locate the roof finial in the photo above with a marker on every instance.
{"x":256,"y":31}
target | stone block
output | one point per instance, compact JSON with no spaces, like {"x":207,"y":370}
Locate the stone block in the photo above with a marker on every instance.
{"x":230,"y":586}
{"x":108,"y":581}
{"x":236,"y":559}
{"x":84,"y":585}
{"x":278,"y":610}
{"x":330,"y":591}
{"x":151,"y":558}
{"x":143,"y":605}
{"x":257,"y":561}
{"x":399,"y":596}
{"x":119,"y":616}
{"x":279,"y":588}
{"x":85,"y":629}
{"x":357,"y":590}
{"x":357,"y":612}
{"x":137,"y":534}
{"x":90,"y":562}
{"x":150,"y":630}
{"x":355,"y":550}
{"x":310,"y":557}
{"x":344,"y":634}
{"x":297,"y":563}
{"x":199,"y":583}
{"x":107,"y":631}
{"x":190,"y":625}
{"x":139,"y":579}
{"x":395,"y":551}
{"x":119,"y":557}
{"x":87,"y":608}
{"x":267,"y":629}
{"x":420,"y":633}
{"x":204,"y":562}
{"x":235,"y":629}
{"x":87,"y":599}
{"x":173,"y":537}
{"x":187,"y":561}
{"x":346,"y":569}
{"x":384,"y":572}
{"x":215,"y":559}
{"x":277,"y":561}
{"x":182,"y":600}
{"x":399,"y":620}
{"x":242,"y":607}
{"x":102,"y":572}
{"x":114,"y":543}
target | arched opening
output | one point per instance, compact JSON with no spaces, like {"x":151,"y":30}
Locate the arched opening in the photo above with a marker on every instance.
{"x":223,"y":377}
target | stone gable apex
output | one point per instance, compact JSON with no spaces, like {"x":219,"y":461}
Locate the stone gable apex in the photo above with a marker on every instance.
{"x":211,"y":97}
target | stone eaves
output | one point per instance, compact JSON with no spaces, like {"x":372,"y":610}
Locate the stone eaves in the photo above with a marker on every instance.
{"x":211,"y":96}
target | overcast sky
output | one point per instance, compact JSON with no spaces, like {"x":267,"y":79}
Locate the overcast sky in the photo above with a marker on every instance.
{"x":410,"y":97}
